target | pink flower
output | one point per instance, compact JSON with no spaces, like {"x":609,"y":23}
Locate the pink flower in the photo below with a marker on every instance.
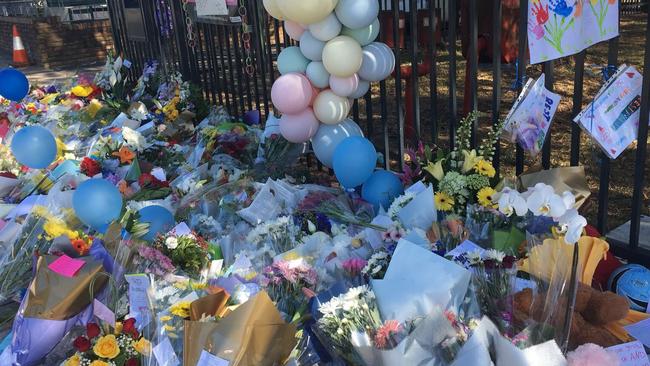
{"x":353,"y":266}
{"x":592,"y":355}
{"x":384,"y":334}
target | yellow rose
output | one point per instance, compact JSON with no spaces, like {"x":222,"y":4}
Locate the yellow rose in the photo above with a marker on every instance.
{"x":118,"y":328}
{"x":143,"y":346}
{"x":107,"y":347}
{"x":99,"y":363}
{"x":75,"y":360}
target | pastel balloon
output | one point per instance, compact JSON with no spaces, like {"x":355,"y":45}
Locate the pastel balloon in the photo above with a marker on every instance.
{"x":342,"y":56}
{"x":160,"y":221}
{"x":329,"y":137}
{"x":311,"y":47}
{"x":382,"y":188}
{"x":362,"y":89}
{"x":292,"y":60}
{"x":318,"y":75}
{"x":354,"y":161}
{"x":273,"y":9}
{"x":13,"y":84}
{"x":344,"y":87}
{"x":300,"y":127}
{"x":378,"y":62}
{"x":291,"y":93}
{"x":357,"y":14}
{"x":315,"y":92}
{"x":365,"y":35}
{"x":306,"y":11}
{"x":331,"y":108}
{"x":326,"y":29}
{"x":293,"y":29}
{"x":34,"y":147}
{"x":97,"y":203}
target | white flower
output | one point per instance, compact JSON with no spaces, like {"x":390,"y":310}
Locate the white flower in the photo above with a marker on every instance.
{"x":134,"y":139}
{"x":495,"y":255}
{"x":474,"y":257}
{"x":171,"y":243}
{"x":510,"y":202}
{"x":572,"y":224}
{"x":569,"y":200}
{"x":399,"y":203}
{"x":311,"y":226}
{"x":544,"y":202}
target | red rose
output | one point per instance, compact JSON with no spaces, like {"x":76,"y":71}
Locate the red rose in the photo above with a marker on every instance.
{"x":92,"y":330}
{"x":128,"y":327}
{"x":90,"y":167}
{"x":82,"y":344}
{"x":132,"y":362}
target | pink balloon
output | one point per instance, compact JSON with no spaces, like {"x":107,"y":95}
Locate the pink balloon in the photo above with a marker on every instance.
{"x":292,"y":93}
{"x":344,"y":87}
{"x":293,"y":29}
{"x":315,"y":92}
{"x":300,"y":127}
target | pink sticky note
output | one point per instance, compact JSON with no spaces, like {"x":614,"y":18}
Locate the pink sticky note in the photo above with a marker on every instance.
{"x":66,"y":266}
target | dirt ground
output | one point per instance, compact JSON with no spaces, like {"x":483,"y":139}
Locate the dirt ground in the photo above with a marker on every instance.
{"x":631,"y":51}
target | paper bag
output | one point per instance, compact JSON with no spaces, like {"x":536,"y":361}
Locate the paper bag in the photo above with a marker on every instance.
{"x":571,"y":179}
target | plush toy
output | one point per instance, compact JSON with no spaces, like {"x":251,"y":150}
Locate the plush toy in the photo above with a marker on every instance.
{"x":593,"y":310}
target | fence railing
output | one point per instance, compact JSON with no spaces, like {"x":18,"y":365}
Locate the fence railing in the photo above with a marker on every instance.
{"x":29,"y":8}
{"x":234,"y":64}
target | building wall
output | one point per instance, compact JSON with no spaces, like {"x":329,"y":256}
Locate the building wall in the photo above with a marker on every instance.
{"x":54,"y":44}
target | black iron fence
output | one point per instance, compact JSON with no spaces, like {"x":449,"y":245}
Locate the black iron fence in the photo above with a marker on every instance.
{"x":454,"y":56}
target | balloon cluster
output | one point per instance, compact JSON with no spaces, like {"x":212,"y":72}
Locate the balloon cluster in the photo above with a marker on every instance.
{"x":335,"y":63}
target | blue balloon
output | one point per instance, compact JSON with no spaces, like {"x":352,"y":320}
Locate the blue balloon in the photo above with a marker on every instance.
{"x":354,"y":161}
{"x":160,"y":221}
{"x":34,"y":147}
{"x":382,"y":188}
{"x":13,"y":84}
{"x":97,"y":203}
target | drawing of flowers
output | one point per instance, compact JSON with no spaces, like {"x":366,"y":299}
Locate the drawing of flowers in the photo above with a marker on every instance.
{"x":601,"y":14}
{"x":556,"y":28}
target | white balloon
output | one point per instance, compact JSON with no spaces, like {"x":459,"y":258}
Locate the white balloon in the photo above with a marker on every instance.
{"x":331,"y":108}
{"x":317,"y":74}
{"x":344,"y":87}
{"x":328,"y":138}
{"x":311,"y":47}
{"x":342,"y":56}
{"x":378,"y":62}
{"x":365,"y":35}
{"x":326,"y":29}
{"x":357,"y":14}
{"x":272,"y":8}
{"x":362,"y":89}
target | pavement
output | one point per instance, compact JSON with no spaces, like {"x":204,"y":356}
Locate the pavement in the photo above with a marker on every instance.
{"x":39,"y":75}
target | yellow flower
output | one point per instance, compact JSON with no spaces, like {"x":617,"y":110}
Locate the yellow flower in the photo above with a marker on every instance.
{"x":107,"y":347}
{"x":356,"y":243}
{"x":181,"y":309}
{"x":94,"y":107}
{"x":165,"y":318}
{"x":99,"y":363}
{"x":250,"y":276}
{"x":435,"y":170}
{"x":291,"y":256}
{"x":82,"y":91}
{"x":49,"y":98}
{"x":42,"y":212}
{"x":168,"y":328}
{"x":143,"y":346}
{"x":118,"y":328}
{"x":485,"y":197}
{"x":55,"y":228}
{"x":199,"y":285}
{"x":75,"y":360}
{"x":444,"y":202}
{"x":470,"y":160}
{"x":485,"y":168}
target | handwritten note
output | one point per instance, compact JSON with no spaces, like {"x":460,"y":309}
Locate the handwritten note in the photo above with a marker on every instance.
{"x":211,"y":7}
{"x":630,"y":354}
{"x":640,"y":331}
{"x":138,"y":298}
{"x":208,"y":359}
{"x":165,"y":355}
{"x":66,"y":266}
{"x":181,"y":229}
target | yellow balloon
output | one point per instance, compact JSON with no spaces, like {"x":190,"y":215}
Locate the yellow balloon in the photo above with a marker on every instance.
{"x":331,"y":109}
{"x":273,"y":9}
{"x":306,"y":11}
{"x":342,"y":56}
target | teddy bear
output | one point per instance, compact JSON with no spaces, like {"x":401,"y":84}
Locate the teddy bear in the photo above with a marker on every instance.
{"x":593,"y":309}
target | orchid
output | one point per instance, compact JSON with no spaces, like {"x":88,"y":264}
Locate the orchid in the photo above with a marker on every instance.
{"x":511,"y":202}
{"x":544,"y":202}
{"x":571,"y":225}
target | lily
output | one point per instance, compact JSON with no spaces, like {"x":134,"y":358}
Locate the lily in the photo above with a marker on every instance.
{"x":435,"y":170}
{"x":470,"y":160}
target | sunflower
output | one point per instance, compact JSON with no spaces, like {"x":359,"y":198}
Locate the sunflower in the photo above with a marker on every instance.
{"x":485,"y":168}
{"x":486,"y":197}
{"x":444,"y":202}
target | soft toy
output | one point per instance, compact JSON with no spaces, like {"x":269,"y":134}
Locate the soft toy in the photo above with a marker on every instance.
{"x":593,"y":310}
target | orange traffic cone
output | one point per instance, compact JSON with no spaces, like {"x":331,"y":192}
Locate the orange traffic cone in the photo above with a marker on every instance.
{"x":20,"y":55}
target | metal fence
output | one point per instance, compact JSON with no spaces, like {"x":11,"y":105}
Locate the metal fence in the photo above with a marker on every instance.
{"x":234,"y":64}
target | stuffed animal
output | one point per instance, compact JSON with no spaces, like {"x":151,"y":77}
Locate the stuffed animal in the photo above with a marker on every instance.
{"x":593,"y":310}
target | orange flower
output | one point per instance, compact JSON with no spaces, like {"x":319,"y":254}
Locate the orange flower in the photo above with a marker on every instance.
{"x":126,"y":156}
{"x":81,"y":246}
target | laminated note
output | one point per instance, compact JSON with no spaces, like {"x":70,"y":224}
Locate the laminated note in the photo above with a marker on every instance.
{"x":211,"y":7}
{"x":630,"y":354}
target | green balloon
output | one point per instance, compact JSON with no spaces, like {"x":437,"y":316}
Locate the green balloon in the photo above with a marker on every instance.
{"x":292,"y":60}
{"x":365,"y":35}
